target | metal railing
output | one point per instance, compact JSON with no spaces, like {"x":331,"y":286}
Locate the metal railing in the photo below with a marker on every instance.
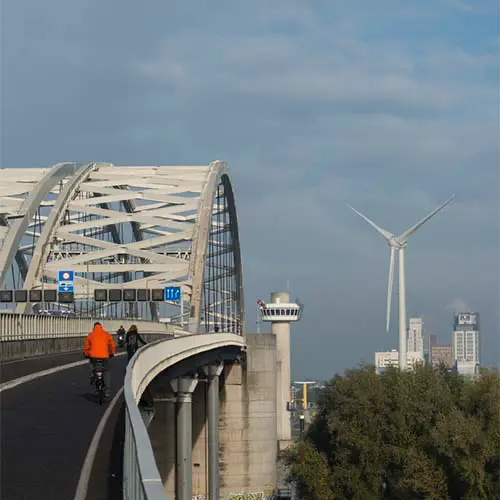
{"x":141,"y":478}
{"x":15,"y":327}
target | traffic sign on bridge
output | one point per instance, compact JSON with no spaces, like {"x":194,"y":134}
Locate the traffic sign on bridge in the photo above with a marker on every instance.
{"x":172,"y":293}
{"x":66,"y":276}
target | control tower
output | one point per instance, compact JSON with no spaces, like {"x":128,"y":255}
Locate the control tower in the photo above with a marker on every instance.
{"x":281,"y":312}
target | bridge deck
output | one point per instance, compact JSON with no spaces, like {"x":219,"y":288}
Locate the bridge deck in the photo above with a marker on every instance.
{"x":11,"y":370}
{"x":46,"y":427}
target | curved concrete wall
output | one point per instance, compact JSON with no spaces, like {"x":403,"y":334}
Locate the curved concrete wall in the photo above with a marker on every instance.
{"x":141,"y":467}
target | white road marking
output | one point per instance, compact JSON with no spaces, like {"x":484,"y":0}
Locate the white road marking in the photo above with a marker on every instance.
{"x":83,"y":482}
{"x":32,"y":376}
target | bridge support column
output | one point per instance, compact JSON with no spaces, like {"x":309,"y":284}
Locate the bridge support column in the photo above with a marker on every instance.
{"x":184,"y":388}
{"x":213,"y":406}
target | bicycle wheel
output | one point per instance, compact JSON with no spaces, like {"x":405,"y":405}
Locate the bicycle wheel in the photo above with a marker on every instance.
{"x":100,"y":395}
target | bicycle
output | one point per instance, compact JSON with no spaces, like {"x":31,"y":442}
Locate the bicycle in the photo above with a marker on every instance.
{"x":99,"y":382}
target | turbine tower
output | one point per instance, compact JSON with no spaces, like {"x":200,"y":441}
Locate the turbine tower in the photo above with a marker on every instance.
{"x":399,"y":244}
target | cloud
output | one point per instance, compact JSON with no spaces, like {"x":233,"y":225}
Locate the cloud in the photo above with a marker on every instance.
{"x":458,"y":305}
{"x":390,"y":106}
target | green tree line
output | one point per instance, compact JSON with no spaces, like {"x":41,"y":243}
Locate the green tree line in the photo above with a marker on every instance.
{"x":423,"y":434}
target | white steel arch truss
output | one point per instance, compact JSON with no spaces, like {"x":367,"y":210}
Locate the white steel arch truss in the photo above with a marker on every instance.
{"x":127,"y":227}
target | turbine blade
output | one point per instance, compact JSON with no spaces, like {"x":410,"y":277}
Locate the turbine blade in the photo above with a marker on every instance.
{"x":389,"y":287}
{"x":386,"y":234}
{"x":403,"y":237}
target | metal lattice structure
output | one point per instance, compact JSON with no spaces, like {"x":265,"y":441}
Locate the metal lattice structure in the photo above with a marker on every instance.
{"x":126,"y":227}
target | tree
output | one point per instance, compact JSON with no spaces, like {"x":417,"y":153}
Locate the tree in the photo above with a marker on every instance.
{"x":422,"y":434}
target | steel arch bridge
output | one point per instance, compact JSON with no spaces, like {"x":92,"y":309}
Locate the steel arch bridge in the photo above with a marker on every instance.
{"x":126,"y":227}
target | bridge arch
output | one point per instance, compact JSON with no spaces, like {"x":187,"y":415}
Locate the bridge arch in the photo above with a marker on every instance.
{"x":136,"y":227}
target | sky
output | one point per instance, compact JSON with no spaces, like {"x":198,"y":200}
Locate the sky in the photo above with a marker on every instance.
{"x":389,"y":106}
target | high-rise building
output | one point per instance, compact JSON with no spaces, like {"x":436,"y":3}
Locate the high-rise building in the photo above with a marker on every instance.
{"x":433,"y":339}
{"x":466,"y":342}
{"x":442,"y":354}
{"x":416,"y":335}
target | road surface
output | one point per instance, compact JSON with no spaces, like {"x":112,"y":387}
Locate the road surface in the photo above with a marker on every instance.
{"x":46,"y":426}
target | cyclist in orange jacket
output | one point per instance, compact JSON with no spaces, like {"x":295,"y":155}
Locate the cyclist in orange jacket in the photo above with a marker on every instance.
{"x":100,"y":346}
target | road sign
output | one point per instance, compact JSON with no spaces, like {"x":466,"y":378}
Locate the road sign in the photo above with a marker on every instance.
{"x":129,"y":294}
{"x":66,"y":287}
{"x":66,"y":297}
{"x":101,"y":295}
{"x":35,"y":295}
{"x":20,"y":295}
{"x":115,"y":295}
{"x":6,"y":295}
{"x":66,"y":276}
{"x":172,"y":293}
{"x":157,"y":294}
{"x":50,"y":295}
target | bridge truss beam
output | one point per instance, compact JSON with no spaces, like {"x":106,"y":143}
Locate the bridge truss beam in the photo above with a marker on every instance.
{"x":126,"y":227}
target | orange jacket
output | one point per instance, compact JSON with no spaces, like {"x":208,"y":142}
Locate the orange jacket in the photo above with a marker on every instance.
{"x":99,"y":343}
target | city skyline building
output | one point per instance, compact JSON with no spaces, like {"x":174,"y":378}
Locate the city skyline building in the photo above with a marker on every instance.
{"x":386,"y":359}
{"x":416,"y":335}
{"x":466,"y":343}
{"x":441,"y":354}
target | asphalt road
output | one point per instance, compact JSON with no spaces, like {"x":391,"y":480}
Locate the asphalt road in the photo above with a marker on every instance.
{"x":46,"y":427}
{"x":19,"y":368}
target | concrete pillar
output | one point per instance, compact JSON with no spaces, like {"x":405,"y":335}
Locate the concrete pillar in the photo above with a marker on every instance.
{"x":213,"y":409}
{"x":184,"y":388}
{"x":282,"y":332}
{"x":200,"y":441}
{"x":248,"y":436}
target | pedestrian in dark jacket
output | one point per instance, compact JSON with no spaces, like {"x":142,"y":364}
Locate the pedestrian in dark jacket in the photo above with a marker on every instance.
{"x":121,"y":336}
{"x":132,"y":340}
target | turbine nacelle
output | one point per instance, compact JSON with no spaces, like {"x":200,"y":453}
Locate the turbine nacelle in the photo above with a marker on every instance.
{"x":396,"y":244}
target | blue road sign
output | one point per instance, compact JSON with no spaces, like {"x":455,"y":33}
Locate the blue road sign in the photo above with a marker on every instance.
{"x":172,"y":293}
{"x":66,"y":276}
{"x":66,"y":287}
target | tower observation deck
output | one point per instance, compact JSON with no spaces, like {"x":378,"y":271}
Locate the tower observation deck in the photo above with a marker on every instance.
{"x":280,"y":312}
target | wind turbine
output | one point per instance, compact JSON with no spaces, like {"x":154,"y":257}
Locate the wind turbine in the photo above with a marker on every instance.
{"x":399,"y":244}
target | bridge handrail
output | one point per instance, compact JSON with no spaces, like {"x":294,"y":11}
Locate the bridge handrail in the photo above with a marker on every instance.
{"x":141,"y":478}
{"x":15,"y":327}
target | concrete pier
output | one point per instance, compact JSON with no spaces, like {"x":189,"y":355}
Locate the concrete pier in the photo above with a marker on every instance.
{"x":184,"y":388}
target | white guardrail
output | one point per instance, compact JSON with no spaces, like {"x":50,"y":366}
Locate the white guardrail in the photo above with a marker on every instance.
{"x":141,"y":479}
{"x":14,"y":327}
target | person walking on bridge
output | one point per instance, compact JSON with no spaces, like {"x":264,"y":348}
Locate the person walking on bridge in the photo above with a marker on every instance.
{"x":120,"y":336}
{"x":132,"y":340}
{"x":100,"y":346}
